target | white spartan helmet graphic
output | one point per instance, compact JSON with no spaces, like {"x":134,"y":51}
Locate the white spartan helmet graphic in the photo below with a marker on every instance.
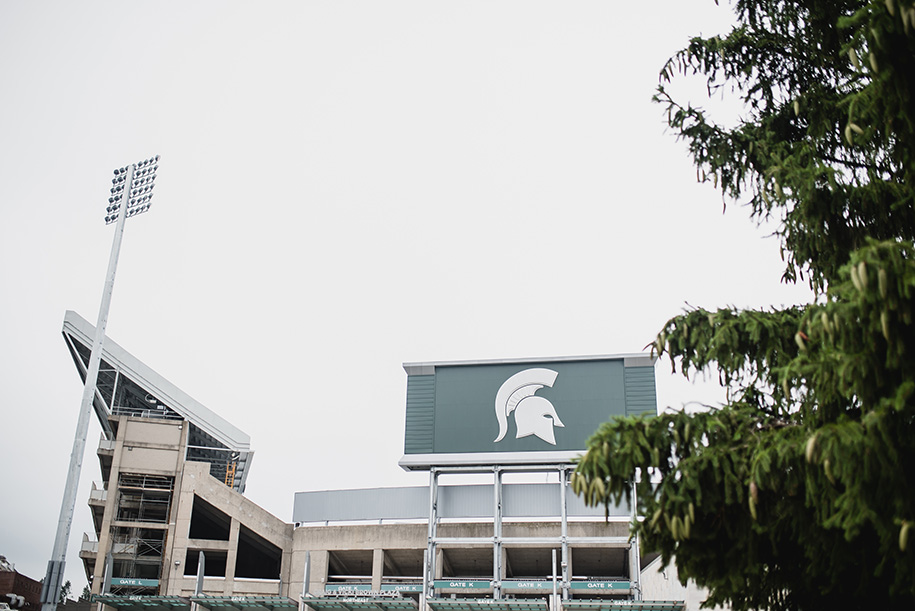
{"x":533,"y":415}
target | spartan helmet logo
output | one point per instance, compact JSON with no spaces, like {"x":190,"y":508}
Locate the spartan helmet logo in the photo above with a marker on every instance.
{"x":533,"y":415}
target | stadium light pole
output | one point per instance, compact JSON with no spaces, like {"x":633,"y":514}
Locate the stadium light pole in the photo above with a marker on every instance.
{"x":131,"y":192}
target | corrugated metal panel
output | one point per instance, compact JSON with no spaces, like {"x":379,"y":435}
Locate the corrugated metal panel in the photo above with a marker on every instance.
{"x":575,"y":506}
{"x":410,"y":503}
{"x":418,"y":434}
{"x":641,"y":396}
{"x":472,"y":501}
{"x":543,"y":501}
{"x":467,"y":501}
{"x":530,"y":500}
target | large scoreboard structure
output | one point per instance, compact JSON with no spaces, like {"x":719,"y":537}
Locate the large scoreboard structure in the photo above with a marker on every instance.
{"x":528,"y":416}
{"x":518,"y":412}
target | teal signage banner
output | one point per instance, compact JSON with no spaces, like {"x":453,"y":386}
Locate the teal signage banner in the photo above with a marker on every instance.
{"x":503,"y":408}
{"x":546,"y":584}
{"x":367,"y":587}
{"x":461,"y":584}
{"x":599,"y":585}
{"x":348,"y":587}
{"x":130,"y":581}
{"x":401,"y":587}
{"x":531,"y":584}
{"x":511,"y":584}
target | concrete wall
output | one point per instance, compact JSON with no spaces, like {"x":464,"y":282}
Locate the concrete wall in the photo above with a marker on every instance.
{"x":152,"y":432}
{"x":197,"y":481}
{"x":664,"y":584}
{"x":317,"y":541}
{"x":150,"y":447}
{"x":158,"y":448}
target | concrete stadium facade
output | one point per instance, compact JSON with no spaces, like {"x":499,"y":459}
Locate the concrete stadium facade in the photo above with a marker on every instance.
{"x":173,"y":529}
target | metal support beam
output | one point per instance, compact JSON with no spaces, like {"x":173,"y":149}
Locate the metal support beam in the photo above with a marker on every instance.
{"x":554,"y":599}
{"x":564,"y":533}
{"x":635,"y":561}
{"x":497,"y":534}
{"x":498,"y":541}
{"x":535,"y":541}
{"x":429,"y":564}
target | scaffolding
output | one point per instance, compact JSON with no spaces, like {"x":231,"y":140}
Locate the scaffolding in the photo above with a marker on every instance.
{"x":230,"y":474}
{"x":144,"y":498}
{"x":144,"y":501}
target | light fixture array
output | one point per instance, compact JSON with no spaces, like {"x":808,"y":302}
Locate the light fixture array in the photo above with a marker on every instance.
{"x":141,"y":177}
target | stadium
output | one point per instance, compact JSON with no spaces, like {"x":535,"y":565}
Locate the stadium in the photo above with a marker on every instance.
{"x":496,"y":528}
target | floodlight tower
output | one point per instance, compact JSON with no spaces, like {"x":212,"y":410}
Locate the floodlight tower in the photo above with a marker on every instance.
{"x":131,"y":192}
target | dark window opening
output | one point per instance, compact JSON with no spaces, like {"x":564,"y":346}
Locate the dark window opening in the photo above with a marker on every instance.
{"x":137,"y":569}
{"x":214,"y":563}
{"x":403,"y":563}
{"x":471,"y":562}
{"x":403,"y":567}
{"x":600,"y":564}
{"x":528,"y":563}
{"x":257,"y":558}
{"x":143,"y":505}
{"x":207,"y":522}
{"x":349,"y":566}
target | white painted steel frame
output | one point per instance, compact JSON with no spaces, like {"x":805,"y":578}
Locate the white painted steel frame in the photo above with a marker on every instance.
{"x":498,"y":540}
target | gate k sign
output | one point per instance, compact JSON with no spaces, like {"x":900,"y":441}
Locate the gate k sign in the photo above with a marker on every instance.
{"x":534,"y":415}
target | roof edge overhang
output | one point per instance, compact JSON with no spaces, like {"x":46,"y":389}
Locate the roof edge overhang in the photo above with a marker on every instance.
{"x":487,"y":460}
{"x":82,"y":331}
{"x":631,"y":359}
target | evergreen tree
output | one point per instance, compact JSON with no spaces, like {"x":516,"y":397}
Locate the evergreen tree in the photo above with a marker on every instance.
{"x":799,"y":492}
{"x":64,"y":592}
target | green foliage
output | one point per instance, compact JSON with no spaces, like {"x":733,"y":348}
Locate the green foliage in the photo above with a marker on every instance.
{"x":64,"y":592}
{"x":826,"y":144}
{"x":799,"y":493}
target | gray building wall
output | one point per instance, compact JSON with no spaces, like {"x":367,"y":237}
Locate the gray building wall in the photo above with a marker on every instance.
{"x":465,"y":501}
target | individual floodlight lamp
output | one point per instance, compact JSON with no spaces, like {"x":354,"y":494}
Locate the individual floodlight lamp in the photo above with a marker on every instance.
{"x":131,"y":192}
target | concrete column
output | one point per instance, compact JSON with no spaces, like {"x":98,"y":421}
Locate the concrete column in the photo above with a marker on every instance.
{"x":111,"y":508}
{"x":319,"y":562}
{"x":566,"y":563}
{"x":231,"y":557}
{"x":377,"y":569}
{"x":439,"y":562}
{"x":172,"y":573}
{"x":498,"y":553}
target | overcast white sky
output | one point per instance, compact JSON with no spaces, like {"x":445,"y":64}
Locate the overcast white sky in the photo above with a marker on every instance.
{"x":344,"y":187}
